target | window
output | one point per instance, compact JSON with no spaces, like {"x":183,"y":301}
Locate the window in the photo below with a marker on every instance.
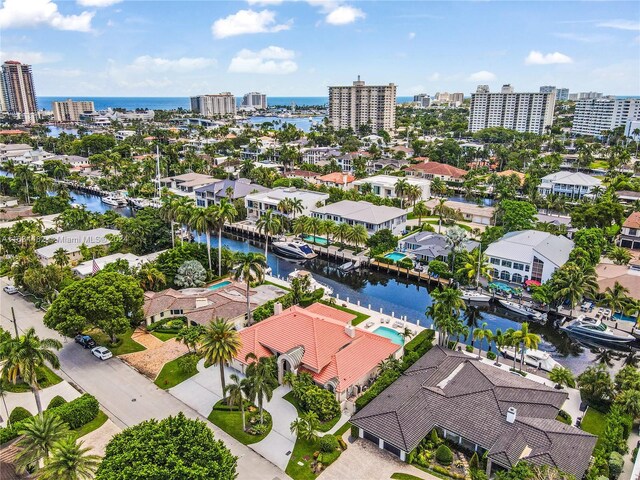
{"x":518,"y":266}
{"x":516,"y":278}
{"x":504,"y":275}
{"x":536,"y":270}
{"x":506,"y":263}
{"x":495,"y":261}
{"x":526,"y":268}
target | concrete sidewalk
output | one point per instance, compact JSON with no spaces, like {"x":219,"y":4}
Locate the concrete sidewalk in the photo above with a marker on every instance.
{"x":28,"y":401}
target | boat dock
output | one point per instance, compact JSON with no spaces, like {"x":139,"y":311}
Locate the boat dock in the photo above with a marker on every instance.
{"x":409,"y":273}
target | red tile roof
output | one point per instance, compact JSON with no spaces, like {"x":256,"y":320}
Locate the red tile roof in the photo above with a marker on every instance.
{"x":632,"y":221}
{"x":328,"y":350}
{"x":436,"y":168}
{"x":337,"y":178}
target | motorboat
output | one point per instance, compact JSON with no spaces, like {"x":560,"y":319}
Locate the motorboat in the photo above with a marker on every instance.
{"x":114,"y":200}
{"x":294,"y":249}
{"x":532,"y":357}
{"x":523,"y":310}
{"x":474,"y":296}
{"x":595,"y":329}
{"x":313,"y":283}
{"x":349,"y":266}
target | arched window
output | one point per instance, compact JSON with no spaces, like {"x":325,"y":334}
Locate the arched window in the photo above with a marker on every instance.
{"x":504,"y":275}
{"x":516,"y":278}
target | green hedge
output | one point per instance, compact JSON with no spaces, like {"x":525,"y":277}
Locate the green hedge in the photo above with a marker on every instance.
{"x":421,"y":343}
{"x":168,"y":325}
{"x":75,"y":413}
{"x":18,"y":414}
{"x":266,"y":310}
{"x":383,"y":381}
{"x":55,"y":402}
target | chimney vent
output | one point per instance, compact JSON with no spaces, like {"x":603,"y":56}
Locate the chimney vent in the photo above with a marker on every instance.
{"x":277,"y":308}
{"x":511,"y":415}
{"x":350,"y":330}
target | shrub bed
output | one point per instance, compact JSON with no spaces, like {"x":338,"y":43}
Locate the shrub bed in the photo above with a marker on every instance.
{"x":168,"y":325}
{"x":18,"y":414}
{"x":56,"y":401}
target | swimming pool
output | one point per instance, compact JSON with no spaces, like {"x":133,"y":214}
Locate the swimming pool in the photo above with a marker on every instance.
{"x":626,"y":318}
{"x":216,"y":286}
{"x":315,"y":239}
{"x":391,"y":334}
{"x":395,"y":256}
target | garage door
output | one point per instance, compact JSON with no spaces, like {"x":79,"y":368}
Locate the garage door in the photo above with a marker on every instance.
{"x":371,"y":438}
{"x":392,"y":449}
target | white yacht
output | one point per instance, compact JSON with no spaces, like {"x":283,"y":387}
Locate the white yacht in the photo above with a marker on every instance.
{"x":313,"y":284}
{"x":474,"y":296}
{"x":594,"y":329}
{"x":532,"y":357}
{"x":349,"y":266}
{"x":114,"y":200}
{"x":523,"y":310}
{"x":294,"y":249}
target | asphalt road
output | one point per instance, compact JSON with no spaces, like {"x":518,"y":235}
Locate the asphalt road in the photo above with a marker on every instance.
{"x":126,"y":396}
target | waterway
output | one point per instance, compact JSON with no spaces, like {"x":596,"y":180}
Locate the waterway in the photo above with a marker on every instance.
{"x":394,"y":294}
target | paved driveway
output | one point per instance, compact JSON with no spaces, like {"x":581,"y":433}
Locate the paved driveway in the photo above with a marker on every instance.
{"x":126,"y":397}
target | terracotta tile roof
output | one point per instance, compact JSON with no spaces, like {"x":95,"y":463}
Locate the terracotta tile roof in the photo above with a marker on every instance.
{"x":337,"y":177}
{"x":435,"y":168}
{"x":328,"y":350}
{"x":508,"y":173}
{"x":632,"y":221}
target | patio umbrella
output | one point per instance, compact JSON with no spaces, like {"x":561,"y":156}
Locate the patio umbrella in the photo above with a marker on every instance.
{"x":532,"y":283}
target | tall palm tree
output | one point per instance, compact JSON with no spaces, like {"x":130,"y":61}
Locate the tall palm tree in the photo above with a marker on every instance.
{"x":438,"y":186}
{"x":295,"y":206}
{"x":420,"y":210}
{"x":456,"y":236}
{"x":169,"y":211}
{"x":315,"y":226}
{"x":445,"y":310}
{"x":573,"y":283}
{"x":203,"y":220}
{"x":306,"y":426}
{"x":250,"y":268}
{"x":226,"y":212}
{"x":301,"y":225}
{"x":40,"y":434}
{"x":183,"y":208}
{"x":525,"y":339}
{"x":358,"y":235}
{"x":150,"y":277}
{"x":263,"y":378}
{"x":235,"y":393}
{"x":69,"y":460}
{"x":441,"y":210}
{"x":500,"y":339}
{"x":219,"y":343}
{"x":328,"y":228}
{"x":24,"y":356}
{"x":616,"y":298}
{"x":480,"y":334}
{"x":470,"y":268}
{"x":342,"y":231}
{"x":400,"y":189}
{"x":268,"y":224}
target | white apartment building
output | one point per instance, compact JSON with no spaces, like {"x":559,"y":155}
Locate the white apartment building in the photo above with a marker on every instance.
{"x":528,"y":255}
{"x":360,"y":104}
{"x":632,"y":126}
{"x":452,"y":99}
{"x":562,"y":94}
{"x":214,"y":105}
{"x":523,"y":112}
{"x":70,"y":111}
{"x":314,"y":155}
{"x":384,"y":185}
{"x":569,"y":184}
{"x":258,"y":203}
{"x":589,"y":95}
{"x":423,"y":100}
{"x":254,"y":101}
{"x":372,"y":217}
{"x":593,"y":116}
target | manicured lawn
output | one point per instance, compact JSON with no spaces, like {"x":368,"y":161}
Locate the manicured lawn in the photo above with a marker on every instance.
{"x":594,"y":422}
{"x":46,"y":378}
{"x":171,"y":374}
{"x":360,"y":317}
{"x":123,"y":345}
{"x":342,"y":429}
{"x":231,"y":422}
{"x":404,"y":476}
{"x":164,"y":336}
{"x":303,"y":453}
{"x":94,"y":424}
{"x":324,"y":426}
{"x":266,"y":282}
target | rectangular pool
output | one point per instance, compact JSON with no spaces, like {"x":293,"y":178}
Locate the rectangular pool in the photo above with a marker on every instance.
{"x":626,"y":318}
{"x":315,"y":239}
{"x":391,"y":334}
{"x":216,"y":286}
{"x":395,"y":256}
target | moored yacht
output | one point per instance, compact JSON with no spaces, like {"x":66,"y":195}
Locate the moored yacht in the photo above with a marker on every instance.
{"x":294,"y":249}
{"x":474,"y":296}
{"x":532,"y":357}
{"x":523,"y":310}
{"x":595,"y":329}
{"x":114,"y":200}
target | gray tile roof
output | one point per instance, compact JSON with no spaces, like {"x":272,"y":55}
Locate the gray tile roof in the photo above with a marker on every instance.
{"x":456,"y":392}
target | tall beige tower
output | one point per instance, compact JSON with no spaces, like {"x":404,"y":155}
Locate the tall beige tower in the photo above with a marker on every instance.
{"x":360,"y":104}
{"x":19,"y":95}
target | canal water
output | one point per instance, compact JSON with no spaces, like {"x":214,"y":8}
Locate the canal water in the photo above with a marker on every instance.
{"x":393,"y":294}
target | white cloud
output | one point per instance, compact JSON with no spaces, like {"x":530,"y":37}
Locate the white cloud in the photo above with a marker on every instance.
{"x":620,"y":25}
{"x":271,"y":60}
{"x":344,"y":15}
{"x":538,"y":58}
{"x":412,"y":35}
{"x":264,"y":2}
{"x":147,"y":63}
{"x":98,"y":3}
{"x":31,"y":13}
{"x":434,"y":77}
{"x":32,"y":58}
{"x":247,"y":21}
{"x":481,"y":76}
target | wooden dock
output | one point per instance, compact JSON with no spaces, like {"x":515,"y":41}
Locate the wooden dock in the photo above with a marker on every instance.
{"x":408,"y":273}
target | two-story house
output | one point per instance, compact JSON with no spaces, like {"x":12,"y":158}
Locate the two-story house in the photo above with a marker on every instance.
{"x":574,"y":185}
{"x":630,"y":235}
{"x":258,"y":204}
{"x":372,"y":217}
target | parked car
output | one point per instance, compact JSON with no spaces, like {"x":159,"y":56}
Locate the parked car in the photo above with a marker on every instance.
{"x":10,"y":289}
{"x":86,"y":341}
{"x":102,"y":353}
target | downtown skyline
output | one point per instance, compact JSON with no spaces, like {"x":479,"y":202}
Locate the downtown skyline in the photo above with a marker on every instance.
{"x":299,"y":48}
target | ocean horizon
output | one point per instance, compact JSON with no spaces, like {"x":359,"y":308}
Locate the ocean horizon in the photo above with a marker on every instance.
{"x":173,"y":103}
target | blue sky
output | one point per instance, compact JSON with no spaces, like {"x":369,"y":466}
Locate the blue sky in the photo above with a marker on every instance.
{"x":298,"y":48}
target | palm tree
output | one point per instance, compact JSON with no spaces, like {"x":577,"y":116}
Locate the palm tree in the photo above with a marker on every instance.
{"x":604,"y":356}
{"x":263,"y":378}
{"x":470,"y":268}
{"x":400,"y":190}
{"x":226,"y":212}
{"x":60,"y":258}
{"x":40,"y":434}
{"x":420,"y":210}
{"x":413,"y":193}
{"x":70,"y":461}
{"x":328,"y":227}
{"x":150,"y":277}
{"x":306,"y":426}
{"x":407,"y":333}
{"x":183,"y":211}
{"x":250,"y":268}
{"x":389,"y":363}
{"x":358,"y":234}
{"x":562,"y":376}
{"x":445,"y":311}
{"x":573,"y":283}
{"x":629,"y":400}
{"x":203,"y":220}
{"x":480,"y":334}
{"x":342,"y":231}
{"x":24,"y":356}
{"x":438,"y":186}
{"x":525,"y":339}
{"x":456,"y":236}
{"x":500,"y":340}
{"x":301,"y":225}
{"x":295,"y":206}
{"x":441,"y":210}
{"x":511,"y":341}
{"x":268,"y":224}
{"x":235,"y":392}
{"x":616,"y":298}
{"x":632,"y":359}
{"x":219,"y":343}
{"x":3,"y":394}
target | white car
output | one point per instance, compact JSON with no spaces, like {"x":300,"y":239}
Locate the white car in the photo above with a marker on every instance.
{"x":10,"y":289}
{"x":102,"y":353}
